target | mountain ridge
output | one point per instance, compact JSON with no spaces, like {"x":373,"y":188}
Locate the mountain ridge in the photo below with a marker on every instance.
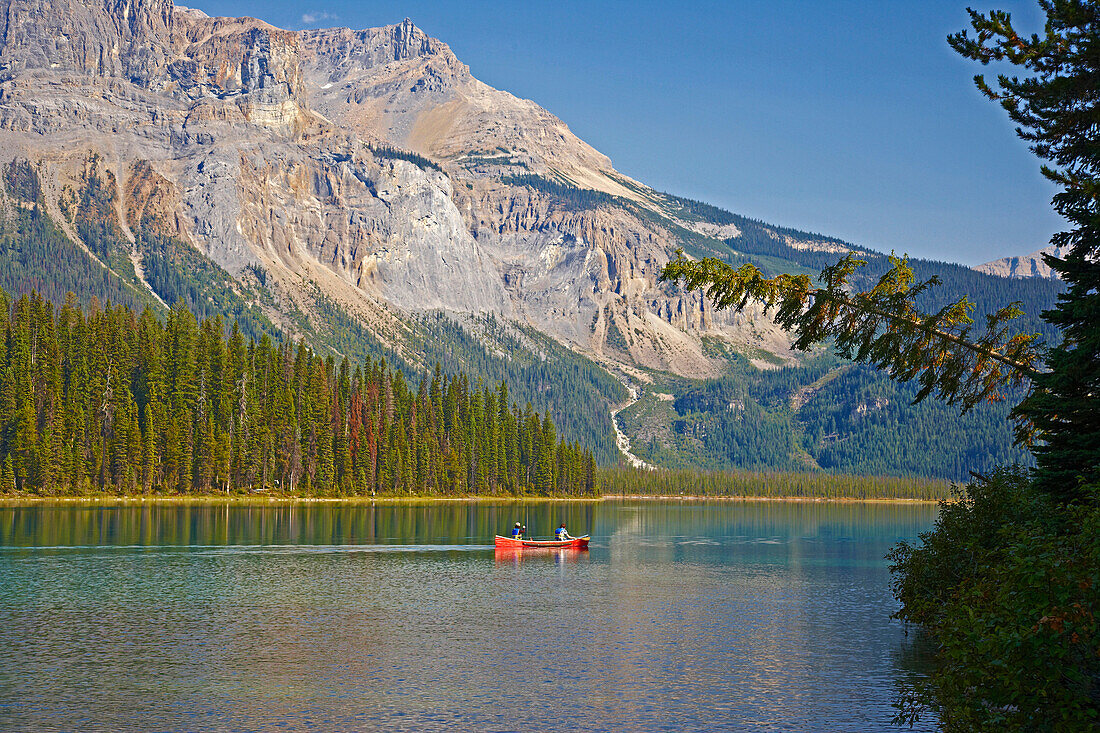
{"x":331,"y":182}
{"x":1031,"y":265}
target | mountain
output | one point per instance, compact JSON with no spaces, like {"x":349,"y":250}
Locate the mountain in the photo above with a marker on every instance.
{"x":1032,"y":265}
{"x":363,"y":191}
{"x":280,"y":151}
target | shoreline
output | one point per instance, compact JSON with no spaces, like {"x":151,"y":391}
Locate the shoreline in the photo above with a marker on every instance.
{"x":10,"y":500}
{"x":777,"y":499}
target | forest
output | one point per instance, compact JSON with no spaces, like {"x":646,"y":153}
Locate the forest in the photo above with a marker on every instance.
{"x":110,"y":400}
{"x":768,"y":485}
{"x":855,"y":420}
{"x":826,"y":414}
{"x":37,"y":256}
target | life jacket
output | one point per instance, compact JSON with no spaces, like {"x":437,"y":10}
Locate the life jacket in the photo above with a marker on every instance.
{"x":516,"y":531}
{"x":561,"y":533}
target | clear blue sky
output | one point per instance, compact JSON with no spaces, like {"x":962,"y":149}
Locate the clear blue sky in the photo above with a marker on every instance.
{"x":853,"y":119}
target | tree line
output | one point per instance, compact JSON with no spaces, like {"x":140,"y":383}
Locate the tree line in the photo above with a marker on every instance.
{"x":108,"y":399}
{"x":624,"y":480}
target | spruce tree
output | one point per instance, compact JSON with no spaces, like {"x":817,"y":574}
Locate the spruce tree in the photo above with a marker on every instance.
{"x":1057,"y":111}
{"x":7,"y":475}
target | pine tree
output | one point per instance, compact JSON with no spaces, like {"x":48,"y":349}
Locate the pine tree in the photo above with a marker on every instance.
{"x":184,"y":476}
{"x":148,"y":459}
{"x":1055,"y":109}
{"x":7,"y":475}
{"x":547,"y":457}
{"x":321,"y":426}
{"x":125,"y":403}
{"x":341,"y":453}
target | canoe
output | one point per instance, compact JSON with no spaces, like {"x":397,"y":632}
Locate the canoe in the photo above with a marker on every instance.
{"x":579,"y":543}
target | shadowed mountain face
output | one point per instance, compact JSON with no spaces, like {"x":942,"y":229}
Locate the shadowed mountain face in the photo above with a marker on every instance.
{"x":346,"y":187}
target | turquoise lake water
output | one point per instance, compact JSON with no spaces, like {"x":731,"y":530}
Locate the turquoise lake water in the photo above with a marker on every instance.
{"x":683,"y":616}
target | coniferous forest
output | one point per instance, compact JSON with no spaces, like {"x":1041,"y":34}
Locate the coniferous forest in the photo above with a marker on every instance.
{"x":113,"y":400}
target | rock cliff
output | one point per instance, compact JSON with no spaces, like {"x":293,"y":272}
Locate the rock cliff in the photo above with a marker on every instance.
{"x":368,"y":167}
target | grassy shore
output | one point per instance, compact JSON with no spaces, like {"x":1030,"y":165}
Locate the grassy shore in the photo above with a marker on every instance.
{"x":187,"y":499}
{"x":267,"y":499}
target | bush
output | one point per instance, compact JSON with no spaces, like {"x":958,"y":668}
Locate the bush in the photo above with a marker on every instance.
{"x":1008,"y":585}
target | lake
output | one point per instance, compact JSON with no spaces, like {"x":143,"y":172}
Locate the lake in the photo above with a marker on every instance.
{"x":683,"y":616}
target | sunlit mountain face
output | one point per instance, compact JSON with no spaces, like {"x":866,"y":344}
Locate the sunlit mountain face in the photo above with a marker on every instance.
{"x":362,"y":190}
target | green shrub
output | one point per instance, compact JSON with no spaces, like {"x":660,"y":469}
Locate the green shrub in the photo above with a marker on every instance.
{"x":1008,"y":585}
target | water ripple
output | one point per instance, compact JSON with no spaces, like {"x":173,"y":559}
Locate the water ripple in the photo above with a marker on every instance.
{"x":736,"y":618}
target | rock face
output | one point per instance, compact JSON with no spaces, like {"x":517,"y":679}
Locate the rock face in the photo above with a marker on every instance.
{"x":368,"y":166}
{"x":126,"y":39}
{"x":1032,"y":265}
{"x":398,"y":84}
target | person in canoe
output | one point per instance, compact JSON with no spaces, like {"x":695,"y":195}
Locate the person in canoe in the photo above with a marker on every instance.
{"x":561,"y":535}
{"x":517,"y":531}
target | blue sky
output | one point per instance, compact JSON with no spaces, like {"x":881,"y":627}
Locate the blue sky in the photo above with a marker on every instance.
{"x":853,"y":119}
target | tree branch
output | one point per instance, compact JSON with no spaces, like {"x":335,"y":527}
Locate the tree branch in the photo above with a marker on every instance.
{"x":881,"y":326}
{"x":1025,"y":368}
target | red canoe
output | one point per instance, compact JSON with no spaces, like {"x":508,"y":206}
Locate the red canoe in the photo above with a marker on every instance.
{"x":579,"y":543}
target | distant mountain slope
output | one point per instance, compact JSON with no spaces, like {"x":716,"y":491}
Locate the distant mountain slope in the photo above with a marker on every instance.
{"x":1032,"y":265}
{"x":361,"y":190}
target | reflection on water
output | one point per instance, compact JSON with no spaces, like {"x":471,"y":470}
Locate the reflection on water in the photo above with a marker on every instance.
{"x":559,"y":555}
{"x":681,"y":616}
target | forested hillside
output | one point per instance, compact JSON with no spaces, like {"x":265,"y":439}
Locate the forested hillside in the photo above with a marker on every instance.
{"x":818,"y":415}
{"x":825,"y":413}
{"x":776,"y":249}
{"x":112,"y":400}
{"x":36,"y":256}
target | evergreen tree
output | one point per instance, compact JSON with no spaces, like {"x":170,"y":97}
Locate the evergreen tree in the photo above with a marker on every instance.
{"x":7,"y":475}
{"x":124,"y":403}
{"x":1055,"y":108}
{"x":1006,"y":581}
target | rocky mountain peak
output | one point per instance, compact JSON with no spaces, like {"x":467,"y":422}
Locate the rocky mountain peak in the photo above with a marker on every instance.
{"x":1032,"y":265}
{"x":340,"y":54}
{"x":409,"y":41}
